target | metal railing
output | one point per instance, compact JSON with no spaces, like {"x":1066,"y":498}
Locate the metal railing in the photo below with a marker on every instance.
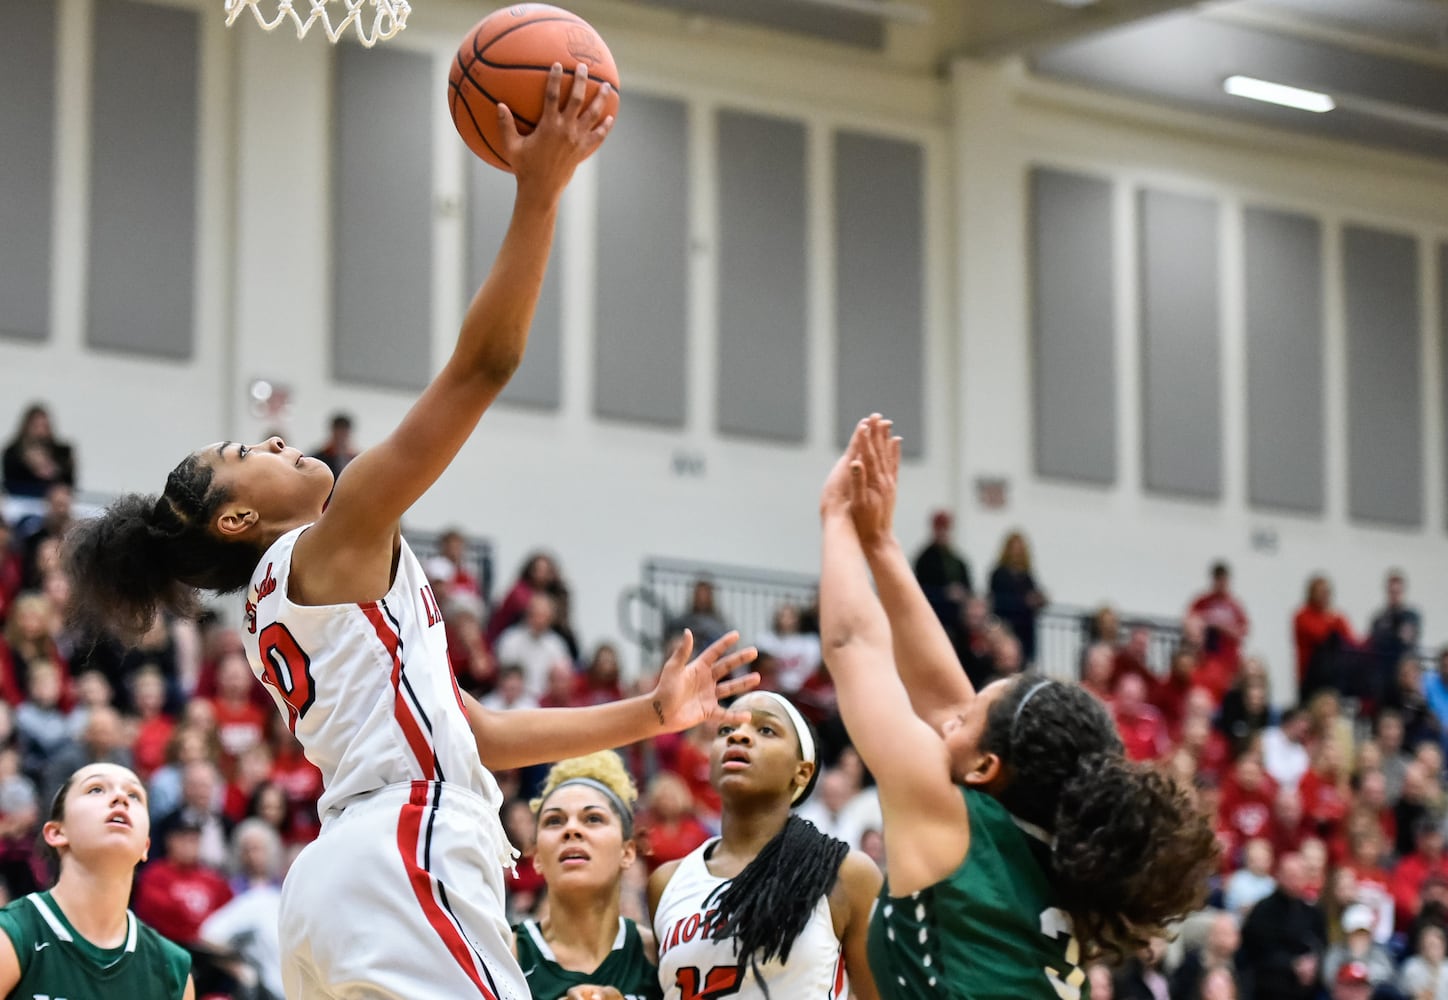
{"x":1063,"y":632}
{"x":746,"y":598}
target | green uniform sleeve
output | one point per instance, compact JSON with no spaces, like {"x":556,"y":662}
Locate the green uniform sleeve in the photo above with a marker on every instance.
{"x":178,"y":965}
{"x":19,"y":931}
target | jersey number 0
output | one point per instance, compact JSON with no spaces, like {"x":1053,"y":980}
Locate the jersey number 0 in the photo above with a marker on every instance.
{"x":287,"y":669}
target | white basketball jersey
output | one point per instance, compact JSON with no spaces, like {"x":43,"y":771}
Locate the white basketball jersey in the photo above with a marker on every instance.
{"x":366,"y":688}
{"x":692,"y":964}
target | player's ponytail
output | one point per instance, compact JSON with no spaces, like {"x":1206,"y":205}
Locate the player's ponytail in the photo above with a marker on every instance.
{"x":148,"y":554}
{"x":1130,"y":851}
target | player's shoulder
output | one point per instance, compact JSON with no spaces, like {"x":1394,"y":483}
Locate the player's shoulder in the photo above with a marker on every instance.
{"x":175,"y":959}
{"x":20,"y":921}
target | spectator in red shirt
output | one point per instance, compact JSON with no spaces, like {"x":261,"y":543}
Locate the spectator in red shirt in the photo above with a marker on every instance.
{"x":1248,"y":795}
{"x":252,"y":771}
{"x":152,"y":725}
{"x":562,"y":687}
{"x":1366,"y":851}
{"x":1318,"y":627}
{"x":1225,"y":620}
{"x":240,"y":724}
{"x":670,"y":826}
{"x":539,"y":575}
{"x":1413,"y":870}
{"x":472,"y":662}
{"x":12,"y":568}
{"x":691,"y":763}
{"x":527,"y":884}
{"x":1207,"y":747}
{"x":176,"y":893}
{"x":453,"y":547}
{"x":1133,"y":659}
{"x":1142,"y":729}
{"x":1170,"y":694}
{"x":599,"y":684}
{"x":1098,"y":665}
{"x":1325,"y":792}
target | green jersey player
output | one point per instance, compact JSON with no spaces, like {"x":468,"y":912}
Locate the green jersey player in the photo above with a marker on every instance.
{"x":78,"y":941}
{"x":1019,"y":839}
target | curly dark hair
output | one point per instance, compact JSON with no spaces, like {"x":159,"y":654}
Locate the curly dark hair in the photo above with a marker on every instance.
{"x":1131,"y":852}
{"x":148,"y":554}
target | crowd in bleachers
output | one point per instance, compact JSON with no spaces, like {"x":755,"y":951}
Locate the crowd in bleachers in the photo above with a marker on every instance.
{"x":1329,"y":801}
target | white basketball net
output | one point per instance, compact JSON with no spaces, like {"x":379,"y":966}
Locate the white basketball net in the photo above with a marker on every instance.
{"x":387,"y":17}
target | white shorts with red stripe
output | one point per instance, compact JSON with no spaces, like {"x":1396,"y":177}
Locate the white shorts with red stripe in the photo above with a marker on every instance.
{"x":401,"y":898}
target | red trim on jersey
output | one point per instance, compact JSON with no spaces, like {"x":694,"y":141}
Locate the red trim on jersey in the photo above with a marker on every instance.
{"x":416,"y":739}
{"x":409,"y":830}
{"x":839,"y":991}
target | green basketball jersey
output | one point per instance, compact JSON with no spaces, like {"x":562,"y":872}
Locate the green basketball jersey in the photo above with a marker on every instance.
{"x":990,"y":931}
{"x":627,"y":969}
{"x":56,"y":963}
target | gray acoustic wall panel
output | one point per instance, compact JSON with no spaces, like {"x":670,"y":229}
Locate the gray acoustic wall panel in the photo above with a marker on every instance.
{"x":27,"y":165}
{"x":643,"y":264}
{"x":1443,"y":352}
{"x":1181,"y":350}
{"x":382,"y":226}
{"x":1073,"y":317}
{"x":763,"y":277}
{"x":1286,"y":445}
{"x":145,"y":102}
{"x":538,"y":381}
{"x":1384,"y":416}
{"x":880,"y":284}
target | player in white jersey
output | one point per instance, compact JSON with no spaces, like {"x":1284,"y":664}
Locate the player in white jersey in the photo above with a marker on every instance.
{"x":401,"y":894}
{"x":772,"y":908}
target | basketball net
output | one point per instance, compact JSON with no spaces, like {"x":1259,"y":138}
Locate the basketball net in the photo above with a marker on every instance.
{"x":388,"y":17}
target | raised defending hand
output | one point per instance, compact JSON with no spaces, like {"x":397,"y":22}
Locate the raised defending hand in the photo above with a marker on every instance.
{"x":567,"y":134}
{"x":835,"y":496}
{"x":689,"y":691}
{"x":874,"y":479}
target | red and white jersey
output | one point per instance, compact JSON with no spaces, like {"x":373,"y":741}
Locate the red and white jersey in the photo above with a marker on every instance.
{"x":366,"y":688}
{"x":692,"y":964}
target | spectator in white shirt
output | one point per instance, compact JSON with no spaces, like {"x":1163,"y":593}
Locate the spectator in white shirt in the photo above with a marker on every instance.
{"x":247,"y":925}
{"x":1252,"y":883}
{"x":533,"y":645}
{"x":1284,"y":749}
{"x":796,"y":654}
{"x":509,"y":693}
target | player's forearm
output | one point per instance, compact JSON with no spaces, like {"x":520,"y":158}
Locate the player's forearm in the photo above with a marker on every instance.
{"x":495,"y":328}
{"x":850,"y":613}
{"x":924,"y":655}
{"x":527,"y":736}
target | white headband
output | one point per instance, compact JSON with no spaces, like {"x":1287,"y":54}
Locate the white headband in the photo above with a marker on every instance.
{"x":806,"y":741}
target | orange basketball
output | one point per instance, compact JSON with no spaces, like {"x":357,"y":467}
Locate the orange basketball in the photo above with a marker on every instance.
{"x":505,"y":60}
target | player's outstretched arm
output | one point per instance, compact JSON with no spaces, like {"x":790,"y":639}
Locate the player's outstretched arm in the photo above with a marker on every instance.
{"x":933,"y":676}
{"x":924,"y":813}
{"x":384,"y":481}
{"x":688,"y":692}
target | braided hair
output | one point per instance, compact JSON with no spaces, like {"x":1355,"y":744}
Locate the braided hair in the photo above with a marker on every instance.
{"x":148,"y":554}
{"x":1131,"y":851}
{"x":767,"y":905}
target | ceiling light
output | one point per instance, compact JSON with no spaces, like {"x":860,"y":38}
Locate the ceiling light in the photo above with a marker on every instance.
{"x":1278,"y":93}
